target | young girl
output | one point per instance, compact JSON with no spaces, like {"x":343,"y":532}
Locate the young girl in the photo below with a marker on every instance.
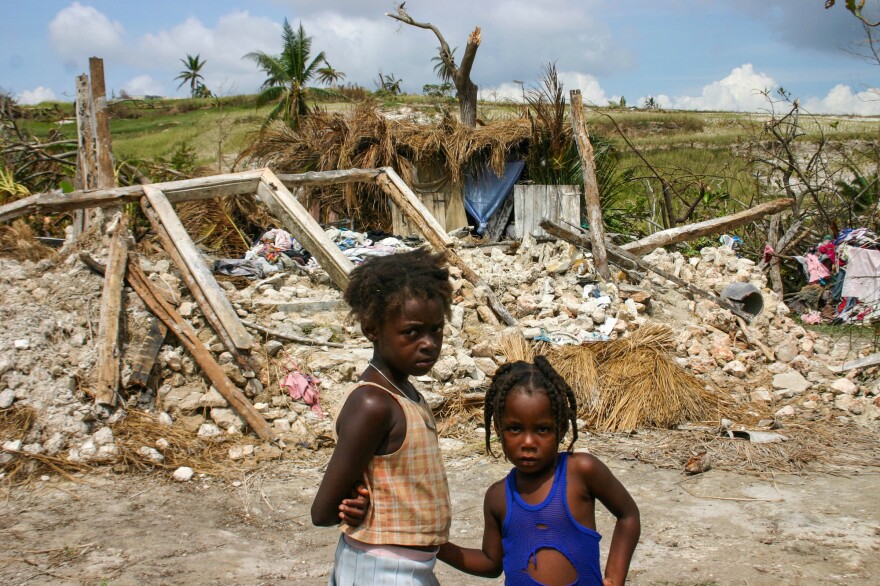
{"x":540,"y":522}
{"x":386,"y":432}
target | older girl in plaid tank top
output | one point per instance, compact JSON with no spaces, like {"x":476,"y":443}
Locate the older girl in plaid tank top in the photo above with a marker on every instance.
{"x":387,"y":437}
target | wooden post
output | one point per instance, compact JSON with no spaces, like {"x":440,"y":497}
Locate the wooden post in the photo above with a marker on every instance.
{"x":201,"y":275}
{"x":700,"y":229}
{"x":86,"y":160}
{"x":773,"y":242}
{"x":146,"y":358}
{"x":438,"y":240}
{"x":300,"y":223}
{"x":591,"y":185}
{"x":111,"y":309}
{"x":103,"y":143}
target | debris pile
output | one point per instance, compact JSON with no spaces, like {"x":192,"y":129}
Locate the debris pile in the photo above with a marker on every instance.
{"x":48,"y":352}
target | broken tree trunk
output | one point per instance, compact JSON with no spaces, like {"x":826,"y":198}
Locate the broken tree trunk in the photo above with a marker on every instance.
{"x":436,"y":237}
{"x":191,"y":284}
{"x":591,"y":185}
{"x":618,"y":256}
{"x":111,"y":310}
{"x":190,"y":340}
{"x":709,"y":227}
{"x":195,"y":265}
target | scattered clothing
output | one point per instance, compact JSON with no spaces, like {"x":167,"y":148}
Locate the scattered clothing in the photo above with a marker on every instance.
{"x":863,"y":275}
{"x":303,"y":387}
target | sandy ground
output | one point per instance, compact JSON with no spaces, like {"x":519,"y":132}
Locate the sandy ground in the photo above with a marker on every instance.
{"x":715,"y":528}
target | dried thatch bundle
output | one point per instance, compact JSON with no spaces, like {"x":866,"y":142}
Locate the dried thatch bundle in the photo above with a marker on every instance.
{"x":646,"y":388}
{"x":227,"y":225}
{"x":628,"y":383}
{"x":365,"y":138}
{"x":19,"y":241}
{"x":515,"y":347}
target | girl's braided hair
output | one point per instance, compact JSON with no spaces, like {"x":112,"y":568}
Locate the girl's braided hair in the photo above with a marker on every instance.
{"x":532,"y":378}
{"x":381,"y":284}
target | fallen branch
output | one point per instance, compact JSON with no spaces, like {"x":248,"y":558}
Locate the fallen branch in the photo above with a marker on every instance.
{"x":289,"y":337}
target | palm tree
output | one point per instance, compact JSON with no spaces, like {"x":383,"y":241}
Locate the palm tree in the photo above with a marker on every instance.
{"x":192,"y":74}
{"x":288,"y":74}
{"x":330,"y":76}
{"x":441,"y":64}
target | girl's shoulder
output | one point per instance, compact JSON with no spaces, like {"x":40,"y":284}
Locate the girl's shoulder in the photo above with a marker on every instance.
{"x":586,"y":466}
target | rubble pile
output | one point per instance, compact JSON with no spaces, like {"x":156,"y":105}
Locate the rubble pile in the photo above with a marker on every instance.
{"x":48,"y":346}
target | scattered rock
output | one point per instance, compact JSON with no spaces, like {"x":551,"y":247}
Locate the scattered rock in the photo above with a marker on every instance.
{"x":183,"y":474}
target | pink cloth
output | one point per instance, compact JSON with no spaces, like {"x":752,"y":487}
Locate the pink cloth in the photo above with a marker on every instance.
{"x":816,"y":269}
{"x":305,"y":387}
{"x":768,"y":253}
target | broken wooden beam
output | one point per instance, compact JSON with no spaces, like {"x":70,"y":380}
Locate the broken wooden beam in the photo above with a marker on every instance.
{"x":143,"y":363}
{"x":439,"y":240}
{"x":299,"y":222}
{"x":620,"y":256}
{"x":291,"y":180}
{"x":707,"y":228}
{"x":411,"y":206}
{"x":191,"y":284}
{"x":591,"y":185}
{"x":109,"y":353}
{"x":199,"y":271}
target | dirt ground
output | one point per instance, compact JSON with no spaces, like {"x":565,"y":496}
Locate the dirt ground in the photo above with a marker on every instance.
{"x":715,"y":528}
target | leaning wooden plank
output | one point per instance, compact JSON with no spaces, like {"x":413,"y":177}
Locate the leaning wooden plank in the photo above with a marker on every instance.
{"x":147,"y":354}
{"x":707,"y":228}
{"x":415,"y":211}
{"x":328,"y":177}
{"x":190,"y":340}
{"x":870,"y":360}
{"x":111,"y":311}
{"x":438,"y":239}
{"x":626,"y":258}
{"x":191,"y":283}
{"x":300,"y":223}
{"x":227,"y":184}
{"x":200,"y":272}
{"x":591,"y":184}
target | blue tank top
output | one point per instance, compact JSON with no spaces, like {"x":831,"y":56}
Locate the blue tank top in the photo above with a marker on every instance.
{"x":522,"y":533}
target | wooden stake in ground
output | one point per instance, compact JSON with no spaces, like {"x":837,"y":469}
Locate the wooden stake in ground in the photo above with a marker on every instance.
{"x":111,"y":309}
{"x":104,"y":149}
{"x":591,"y":185}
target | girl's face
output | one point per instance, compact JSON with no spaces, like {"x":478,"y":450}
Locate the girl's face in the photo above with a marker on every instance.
{"x":409,"y":341}
{"x":528,"y":432}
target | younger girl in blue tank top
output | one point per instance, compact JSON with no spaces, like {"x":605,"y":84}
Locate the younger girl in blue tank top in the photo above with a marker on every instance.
{"x":540,"y":521}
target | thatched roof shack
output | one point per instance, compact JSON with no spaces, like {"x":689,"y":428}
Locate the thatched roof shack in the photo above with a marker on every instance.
{"x":431,"y":157}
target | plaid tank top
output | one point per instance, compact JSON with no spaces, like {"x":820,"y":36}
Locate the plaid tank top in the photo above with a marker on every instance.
{"x":409,"y":493}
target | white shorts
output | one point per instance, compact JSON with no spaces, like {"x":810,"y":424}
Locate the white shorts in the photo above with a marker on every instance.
{"x":361,"y":564}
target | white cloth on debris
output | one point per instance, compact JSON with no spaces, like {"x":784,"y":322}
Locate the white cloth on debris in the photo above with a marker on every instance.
{"x":862,"y":275}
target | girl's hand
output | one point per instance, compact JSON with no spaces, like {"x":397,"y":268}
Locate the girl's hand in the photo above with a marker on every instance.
{"x":353,"y":510}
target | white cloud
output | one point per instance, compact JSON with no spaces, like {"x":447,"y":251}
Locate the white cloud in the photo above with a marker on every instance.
{"x":842,"y":100}
{"x":143,"y":85}
{"x":35,"y":96}
{"x":738,"y":92}
{"x":591,"y":90}
{"x":78,"y":32}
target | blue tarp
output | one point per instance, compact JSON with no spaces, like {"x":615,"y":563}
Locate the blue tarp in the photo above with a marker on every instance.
{"x":484,"y":191}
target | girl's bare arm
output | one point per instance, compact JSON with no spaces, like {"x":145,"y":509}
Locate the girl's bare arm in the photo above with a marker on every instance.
{"x":605,"y":488}
{"x":485,"y":562}
{"x":365,"y":420}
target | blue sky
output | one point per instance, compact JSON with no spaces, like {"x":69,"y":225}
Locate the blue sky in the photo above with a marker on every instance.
{"x":689,"y":54}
